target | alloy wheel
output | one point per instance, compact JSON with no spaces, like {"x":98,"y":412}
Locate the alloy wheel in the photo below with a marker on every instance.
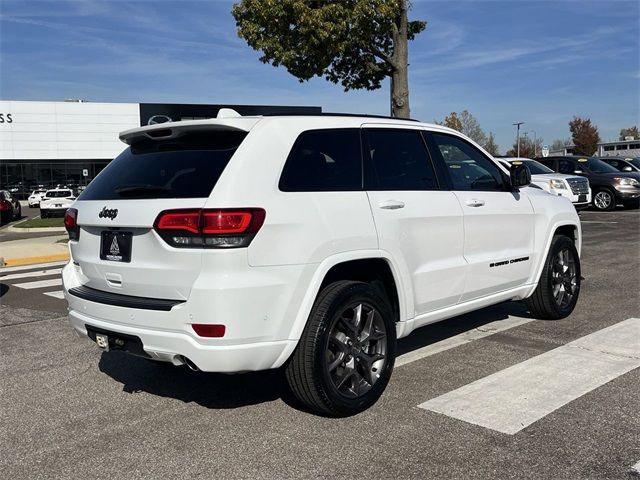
{"x":564,"y":278}
{"x":356,"y":350}
{"x":603,"y":200}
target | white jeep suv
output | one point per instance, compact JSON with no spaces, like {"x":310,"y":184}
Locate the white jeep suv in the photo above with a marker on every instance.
{"x":310,"y":243}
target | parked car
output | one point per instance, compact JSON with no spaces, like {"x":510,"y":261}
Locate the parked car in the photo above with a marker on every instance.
{"x":56,"y":202}
{"x":623,"y":164}
{"x":35,"y":197}
{"x":609,"y":186}
{"x":10,"y":208}
{"x":309,"y":243}
{"x":573,"y":187}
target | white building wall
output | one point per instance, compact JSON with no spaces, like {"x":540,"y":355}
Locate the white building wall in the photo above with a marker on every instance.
{"x":64,"y":130}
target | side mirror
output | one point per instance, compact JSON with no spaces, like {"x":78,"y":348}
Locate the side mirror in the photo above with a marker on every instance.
{"x":627,"y":169}
{"x":520,"y":175}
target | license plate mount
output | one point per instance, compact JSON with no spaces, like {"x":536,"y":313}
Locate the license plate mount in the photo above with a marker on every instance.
{"x":115,"y":246}
{"x":582,"y":197}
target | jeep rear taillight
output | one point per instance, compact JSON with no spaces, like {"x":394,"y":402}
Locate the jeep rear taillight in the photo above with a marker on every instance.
{"x":71,"y":223}
{"x":219,"y":228}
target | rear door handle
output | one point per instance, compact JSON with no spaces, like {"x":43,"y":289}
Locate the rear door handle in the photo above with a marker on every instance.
{"x":391,"y":204}
{"x":474,"y":202}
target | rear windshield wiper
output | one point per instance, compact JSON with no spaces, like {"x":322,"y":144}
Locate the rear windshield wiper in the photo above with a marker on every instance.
{"x":136,"y":190}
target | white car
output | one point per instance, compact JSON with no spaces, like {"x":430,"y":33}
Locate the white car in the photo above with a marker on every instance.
{"x":35,"y":197}
{"x":56,"y":201}
{"x":573,"y":187}
{"x":307,"y":242}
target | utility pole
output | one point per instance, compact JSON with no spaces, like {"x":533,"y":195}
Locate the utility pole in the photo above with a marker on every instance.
{"x":517,"y":125}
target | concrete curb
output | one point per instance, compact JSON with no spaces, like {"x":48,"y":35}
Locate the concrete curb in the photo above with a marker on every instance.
{"x":15,"y":229}
{"x":15,"y":262}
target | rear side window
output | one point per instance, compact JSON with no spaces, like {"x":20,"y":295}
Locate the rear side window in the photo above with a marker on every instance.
{"x":398,"y":160}
{"x":184,"y":167}
{"x":324,"y":160}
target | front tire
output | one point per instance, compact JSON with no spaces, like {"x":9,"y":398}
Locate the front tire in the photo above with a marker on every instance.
{"x":558,"y":289}
{"x":604,"y":200}
{"x":344,"y":359}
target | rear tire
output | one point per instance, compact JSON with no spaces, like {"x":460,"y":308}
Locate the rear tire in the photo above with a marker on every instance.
{"x":18,"y":214}
{"x":345,"y":356}
{"x":558,"y":289}
{"x":604,"y":200}
{"x":43,"y":214}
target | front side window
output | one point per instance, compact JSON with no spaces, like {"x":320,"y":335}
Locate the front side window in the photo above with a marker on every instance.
{"x":467,"y":167}
{"x":566,"y":166}
{"x":397,"y":160}
{"x":324,"y":160}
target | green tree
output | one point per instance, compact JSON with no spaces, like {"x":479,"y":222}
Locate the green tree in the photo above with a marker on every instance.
{"x":630,"y":132}
{"x":357,"y":43}
{"x":585,"y":136}
{"x":471,"y":128}
{"x":491,"y":146}
{"x":528,"y":149}
{"x":452,"y":121}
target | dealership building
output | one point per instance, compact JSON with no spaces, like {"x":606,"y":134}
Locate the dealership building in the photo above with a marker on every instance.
{"x":68,"y":143}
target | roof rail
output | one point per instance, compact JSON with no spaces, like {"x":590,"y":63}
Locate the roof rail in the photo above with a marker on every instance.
{"x":336,"y":114}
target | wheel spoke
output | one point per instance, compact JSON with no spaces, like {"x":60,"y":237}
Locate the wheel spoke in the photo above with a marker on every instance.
{"x":339,"y":340}
{"x":337,"y":361}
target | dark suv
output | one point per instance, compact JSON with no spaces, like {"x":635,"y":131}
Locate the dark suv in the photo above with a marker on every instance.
{"x":610,"y":187}
{"x":623,"y":164}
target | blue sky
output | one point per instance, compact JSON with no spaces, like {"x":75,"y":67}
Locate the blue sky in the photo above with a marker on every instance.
{"x":537,"y":61}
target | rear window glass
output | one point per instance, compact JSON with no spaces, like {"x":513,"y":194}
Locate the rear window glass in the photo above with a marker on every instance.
{"x":324,"y":160}
{"x":59,"y":193}
{"x":185,"y":167}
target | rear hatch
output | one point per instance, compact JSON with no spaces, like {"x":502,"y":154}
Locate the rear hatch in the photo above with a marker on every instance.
{"x":165,"y":168}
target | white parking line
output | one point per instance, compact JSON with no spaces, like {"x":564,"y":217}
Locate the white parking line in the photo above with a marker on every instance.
{"x":39,"y":273}
{"x":636,"y":468}
{"x":31,"y":267}
{"x":40,"y":284}
{"x":461,"y":339}
{"x":57,"y":294}
{"x":518,"y":396}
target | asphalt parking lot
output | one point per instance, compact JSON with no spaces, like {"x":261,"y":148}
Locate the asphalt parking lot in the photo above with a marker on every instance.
{"x":69,"y":411}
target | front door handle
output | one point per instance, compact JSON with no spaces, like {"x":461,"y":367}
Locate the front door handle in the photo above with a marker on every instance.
{"x":474,"y":202}
{"x":391,"y":204}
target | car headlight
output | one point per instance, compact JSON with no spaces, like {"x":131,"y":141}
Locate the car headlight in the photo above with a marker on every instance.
{"x":557,"y":184}
{"x":627,"y":181}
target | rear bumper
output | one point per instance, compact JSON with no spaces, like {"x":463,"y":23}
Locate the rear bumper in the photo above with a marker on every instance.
{"x":257,"y":306}
{"x":172,"y":346}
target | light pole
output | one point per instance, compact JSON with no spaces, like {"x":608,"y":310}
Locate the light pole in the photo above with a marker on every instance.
{"x":517,"y":124}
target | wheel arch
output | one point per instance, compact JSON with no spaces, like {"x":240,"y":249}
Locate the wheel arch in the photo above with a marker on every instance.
{"x":345,"y":264}
{"x":569,"y":229}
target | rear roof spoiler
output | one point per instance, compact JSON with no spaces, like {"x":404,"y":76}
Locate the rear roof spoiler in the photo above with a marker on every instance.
{"x":169,"y":130}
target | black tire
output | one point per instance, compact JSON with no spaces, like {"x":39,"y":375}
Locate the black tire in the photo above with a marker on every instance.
{"x":632,"y":204}
{"x":604,"y":200}
{"x":544,"y":303}
{"x":308,"y":372}
{"x":43,"y":214}
{"x":18,"y":214}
